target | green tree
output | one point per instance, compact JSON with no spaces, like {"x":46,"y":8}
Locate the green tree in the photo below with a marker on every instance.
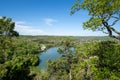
{"x":18,"y":68}
{"x":61,"y":69}
{"x":7,"y":27}
{"x":104,"y":15}
{"x":6,"y":33}
{"x":16,"y":55}
{"x":97,"y":61}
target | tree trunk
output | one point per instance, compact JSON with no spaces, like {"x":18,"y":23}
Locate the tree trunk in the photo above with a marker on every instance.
{"x":110,"y":31}
{"x":70,"y":75}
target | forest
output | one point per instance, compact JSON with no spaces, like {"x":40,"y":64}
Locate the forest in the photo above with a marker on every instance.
{"x":95,"y":58}
{"x":81,"y":57}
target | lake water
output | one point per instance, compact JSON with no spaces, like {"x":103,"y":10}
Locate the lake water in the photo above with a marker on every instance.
{"x":49,"y":54}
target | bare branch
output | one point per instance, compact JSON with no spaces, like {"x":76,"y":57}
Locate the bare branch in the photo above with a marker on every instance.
{"x":104,"y":32}
{"x":118,"y":38}
{"x":114,"y":30}
{"x":107,"y":17}
{"x":115,"y":17}
{"x":115,"y":22}
{"x":102,"y":29}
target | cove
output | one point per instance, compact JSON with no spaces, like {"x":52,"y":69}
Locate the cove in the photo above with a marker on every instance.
{"x":49,"y":54}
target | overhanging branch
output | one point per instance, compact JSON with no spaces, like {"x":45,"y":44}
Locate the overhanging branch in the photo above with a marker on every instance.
{"x":114,"y":30}
{"x":116,"y":37}
{"x":115,"y":22}
{"x":110,"y":29}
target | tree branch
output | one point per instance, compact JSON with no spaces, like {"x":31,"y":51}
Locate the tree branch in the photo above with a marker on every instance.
{"x":107,"y":27}
{"x":114,"y":30}
{"x":102,"y":29}
{"x":104,"y":32}
{"x":107,"y":17}
{"x":110,"y":29}
{"x":118,"y":38}
{"x":116,"y":17}
{"x":115,"y":21}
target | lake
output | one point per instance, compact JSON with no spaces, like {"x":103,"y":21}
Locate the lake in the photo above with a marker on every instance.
{"x":49,"y":54}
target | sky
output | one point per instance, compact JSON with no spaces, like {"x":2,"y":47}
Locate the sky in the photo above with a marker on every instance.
{"x":46,"y":17}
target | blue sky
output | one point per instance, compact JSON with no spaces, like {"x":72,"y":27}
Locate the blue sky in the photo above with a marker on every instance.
{"x":45,"y":17}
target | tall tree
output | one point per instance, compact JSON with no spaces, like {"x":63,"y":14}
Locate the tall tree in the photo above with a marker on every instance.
{"x":104,"y":15}
{"x":7,"y":27}
{"x":61,"y":69}
{"x":6,"y":33}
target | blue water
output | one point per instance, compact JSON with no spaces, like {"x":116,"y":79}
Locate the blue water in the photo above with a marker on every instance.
{"x":49,"y":54}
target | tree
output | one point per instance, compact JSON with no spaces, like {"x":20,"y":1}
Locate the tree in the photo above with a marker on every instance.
{"x":6,"y":33}
{"x":17,"y":56}
{"x":7,"y":27}
{"x":61,"y":69}
{"x":18,"y":68}
{"x":104,"y":15}
{"x":97,"y":61}
{"x":68,"y":56}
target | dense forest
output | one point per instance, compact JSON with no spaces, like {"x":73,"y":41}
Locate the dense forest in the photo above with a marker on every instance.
{"x":93,"y":58}
{"x":83,"y":58}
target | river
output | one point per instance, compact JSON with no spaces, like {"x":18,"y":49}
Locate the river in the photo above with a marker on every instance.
{"x":49,"y":54}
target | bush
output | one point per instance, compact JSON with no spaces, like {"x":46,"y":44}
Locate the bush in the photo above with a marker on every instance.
{"x":98,"y":61}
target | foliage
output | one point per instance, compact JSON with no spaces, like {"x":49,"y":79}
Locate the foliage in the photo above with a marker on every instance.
{"x":23,"y":47}
{"x":104,"y":15}
{"x":61,"y":68}
{"x":98,"y":61}
{"x":87,"y":61}
{"x":18,"y":68}
{"x":16,"y":56}
{"x":90,"y":61}
{"x":7,"y":27}
{"x":6,"y":32}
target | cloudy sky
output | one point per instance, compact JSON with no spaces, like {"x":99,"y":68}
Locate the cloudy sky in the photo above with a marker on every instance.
{"x":45,"y":17}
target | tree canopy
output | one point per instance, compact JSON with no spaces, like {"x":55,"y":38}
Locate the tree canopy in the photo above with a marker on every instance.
{"x":7,"y":27}
{"x":17,"y":56}
{"x":104,"y":15}
{"x":6,"y":33}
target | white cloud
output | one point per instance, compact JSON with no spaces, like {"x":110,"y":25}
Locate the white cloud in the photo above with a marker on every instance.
{"x":20,"y":23}
{"x":26,"y":30}
{"x":0,"y":16}
{"x":50,"y":21}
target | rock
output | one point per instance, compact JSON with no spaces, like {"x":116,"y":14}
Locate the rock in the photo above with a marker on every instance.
{"x":43,"y":47}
